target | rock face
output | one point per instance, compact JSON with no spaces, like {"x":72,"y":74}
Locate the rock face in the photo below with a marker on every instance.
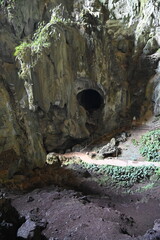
{"x":82,"y":68}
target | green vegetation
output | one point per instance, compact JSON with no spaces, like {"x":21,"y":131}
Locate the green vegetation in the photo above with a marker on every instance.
{"x":9,"y":2}
{"x":38,"y":42}
{"x":21,"y":48}
{"x":29,"y":51}
{"x":128,"y":176}
{"x":120,"y":176}
{"x":146,"y":187}
{"x":42,"y":35}
{"x":135,"y":142}
{"x":150,"y":145}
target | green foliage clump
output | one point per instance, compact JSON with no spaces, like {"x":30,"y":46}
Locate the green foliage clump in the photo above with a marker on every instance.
{"x":150,"y":145}
{"x":29,"y":51}
{"x":21,"y":48}
{"x":120,"y":176}
{"x":42,"y":35}
{"x":135,"y":142}
{"x":125,"y":176}
{"x":36,"y":44}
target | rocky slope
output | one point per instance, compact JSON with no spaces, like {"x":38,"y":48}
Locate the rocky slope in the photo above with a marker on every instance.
{"x":87,"y":210}
{"x":81,"y":68}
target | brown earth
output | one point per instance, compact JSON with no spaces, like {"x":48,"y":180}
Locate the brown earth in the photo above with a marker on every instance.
{"x":91,"y":211}
{"x":75,"y":206}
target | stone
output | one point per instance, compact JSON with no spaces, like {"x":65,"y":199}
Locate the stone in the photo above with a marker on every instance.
{"x":110,"y":149}
{"x":68,"y":151}
{"x":122,"y":137}
{"x":93,"y":154}
{"x":156,"y":226}
{"x":27,"y":230}
{"x":122,"y":46}
{"x":156,"y":94}
{"x":30,"y":199}
{"x":53,"y":159}
{"x":151,"y":235}
{"x":77,"y":148}
{"x":32,"y":227}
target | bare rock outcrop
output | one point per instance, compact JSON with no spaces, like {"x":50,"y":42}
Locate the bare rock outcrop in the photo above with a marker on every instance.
{"x":81,"y":68}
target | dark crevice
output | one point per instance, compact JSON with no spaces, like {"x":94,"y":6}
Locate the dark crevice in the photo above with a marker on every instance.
{"x":10,"y":220}
{"x":90,"y":99}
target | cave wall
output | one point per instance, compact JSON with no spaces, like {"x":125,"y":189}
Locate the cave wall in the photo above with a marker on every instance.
{"x":111,"y":47}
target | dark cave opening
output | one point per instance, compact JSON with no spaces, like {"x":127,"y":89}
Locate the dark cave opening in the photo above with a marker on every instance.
{"x":90,"y":99}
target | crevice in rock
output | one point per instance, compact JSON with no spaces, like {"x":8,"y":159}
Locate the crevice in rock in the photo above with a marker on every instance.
{"x":10,"y":220}
{"x":90,"y":99}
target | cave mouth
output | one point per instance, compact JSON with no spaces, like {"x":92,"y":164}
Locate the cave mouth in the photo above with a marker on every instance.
{"x":90,"y":99}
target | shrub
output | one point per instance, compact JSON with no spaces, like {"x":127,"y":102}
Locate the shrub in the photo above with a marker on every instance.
{"x":150,"y":145}
{"x":21,"y":48}
{"x":125,"y":176}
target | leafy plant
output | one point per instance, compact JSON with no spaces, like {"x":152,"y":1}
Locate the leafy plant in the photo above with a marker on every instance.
{"x":21,"y":48}
{"x":150,"y":145}
{"x":135,"y":142}
{"x":40,"y":38}
{"x":123,"y":176}
{"x":127,"y":176}
{"x":29,"y":51}
{"x":120,"y":176}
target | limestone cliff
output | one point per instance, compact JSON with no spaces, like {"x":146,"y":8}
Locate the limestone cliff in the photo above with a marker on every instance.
{"x":71,"y":69}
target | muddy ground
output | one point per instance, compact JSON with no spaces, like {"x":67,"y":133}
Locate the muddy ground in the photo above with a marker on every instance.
{"x":69,"y":202}
{"x":89,"y":211}
{"x":87,"y":208}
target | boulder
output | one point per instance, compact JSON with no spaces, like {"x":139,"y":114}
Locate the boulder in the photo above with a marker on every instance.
{"x":53,"y":159}
{"x":109,"y":150}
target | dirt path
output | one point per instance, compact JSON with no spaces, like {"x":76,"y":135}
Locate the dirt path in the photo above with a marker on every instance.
{"x":130,"y":152}
{"x":81,"y":208}
{"x":111,"y":161}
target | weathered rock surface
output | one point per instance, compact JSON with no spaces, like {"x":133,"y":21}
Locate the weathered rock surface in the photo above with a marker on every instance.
{"x":90,"y":68}
{"x":110,"y":149}
{"x":53,"y":158}
{"x":32,"y":228}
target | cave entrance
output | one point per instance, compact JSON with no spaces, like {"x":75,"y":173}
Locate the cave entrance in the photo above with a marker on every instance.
{"x":90,"y":99}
